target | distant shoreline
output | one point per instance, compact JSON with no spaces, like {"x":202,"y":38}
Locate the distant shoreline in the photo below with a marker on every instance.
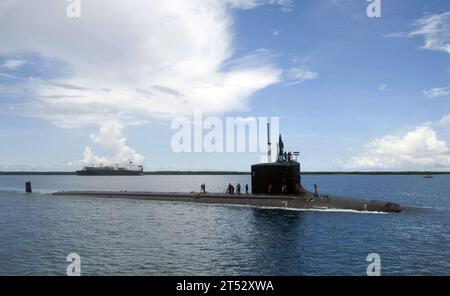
{"x":218,"y":173}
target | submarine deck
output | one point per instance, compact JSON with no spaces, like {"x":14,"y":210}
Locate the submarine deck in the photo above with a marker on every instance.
{"x":304,"y":200}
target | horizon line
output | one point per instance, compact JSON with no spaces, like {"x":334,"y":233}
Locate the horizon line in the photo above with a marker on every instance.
{"x":213,"y":172}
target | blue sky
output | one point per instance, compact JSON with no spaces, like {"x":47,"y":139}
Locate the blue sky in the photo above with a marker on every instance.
{"x":352,"y":92}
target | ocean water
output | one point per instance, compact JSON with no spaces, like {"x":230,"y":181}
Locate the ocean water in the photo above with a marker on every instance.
{"x":131,"y":237}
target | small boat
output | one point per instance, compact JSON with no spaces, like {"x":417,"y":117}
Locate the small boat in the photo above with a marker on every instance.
{"x":428,"y":177}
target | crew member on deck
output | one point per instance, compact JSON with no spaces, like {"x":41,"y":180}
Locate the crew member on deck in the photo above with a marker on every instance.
{"x":230,"y":189}
{"x":316,"y":192}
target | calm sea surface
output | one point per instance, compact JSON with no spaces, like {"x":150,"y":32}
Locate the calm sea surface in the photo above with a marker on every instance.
{"x":131,"y":237}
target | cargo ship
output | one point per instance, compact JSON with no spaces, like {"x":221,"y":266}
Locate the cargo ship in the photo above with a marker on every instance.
{"x":111,"y":171}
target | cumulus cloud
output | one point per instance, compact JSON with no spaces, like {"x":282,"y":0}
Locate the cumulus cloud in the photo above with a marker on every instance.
{"x":297,"y":75}
{"x":417,"y":149}
{"x":437,"y":92}
{"x":110,"y":136}
{"x":132,"y":61}
{"x":435,"y":30}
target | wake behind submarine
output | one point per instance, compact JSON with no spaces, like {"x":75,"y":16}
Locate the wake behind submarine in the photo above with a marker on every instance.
{"x":274,"y":185}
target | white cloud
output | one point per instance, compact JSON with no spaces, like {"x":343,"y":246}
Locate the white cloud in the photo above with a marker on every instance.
{"x":176,"y":45}
{"x":13,"y":64}
{"x":9,"y":76}
{"x":417,"y":149}
{"x":298,"y":75}
{"x":166,"y":60}
{"x":437,"y":92}
{"x":435,"y":30}
{"x":286,"y":5}
{"x":110,"y":136}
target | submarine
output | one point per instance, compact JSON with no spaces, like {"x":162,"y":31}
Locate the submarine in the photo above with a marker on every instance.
{"x":275,"y":185}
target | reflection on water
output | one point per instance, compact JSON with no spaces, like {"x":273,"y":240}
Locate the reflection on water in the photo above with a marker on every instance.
{"x":279,"y":235}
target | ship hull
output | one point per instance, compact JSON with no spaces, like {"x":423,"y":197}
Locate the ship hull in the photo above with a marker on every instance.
{"x":108,"y":173}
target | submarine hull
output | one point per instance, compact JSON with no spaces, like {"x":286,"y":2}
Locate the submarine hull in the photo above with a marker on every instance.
{"x":305,"y":201}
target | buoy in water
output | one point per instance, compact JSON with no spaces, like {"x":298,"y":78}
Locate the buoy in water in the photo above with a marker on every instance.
{"x":28,"y":187}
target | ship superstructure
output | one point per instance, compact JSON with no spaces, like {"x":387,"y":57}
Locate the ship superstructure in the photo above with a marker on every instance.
{"x":117,"y":170}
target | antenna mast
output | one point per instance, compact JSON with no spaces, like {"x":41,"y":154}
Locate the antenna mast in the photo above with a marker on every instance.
{"x":269,"y":145}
